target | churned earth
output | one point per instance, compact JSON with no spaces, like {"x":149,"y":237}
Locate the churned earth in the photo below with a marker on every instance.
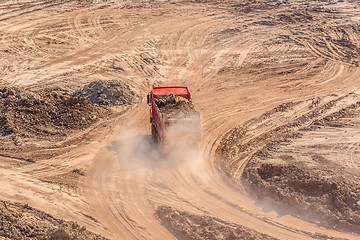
{"x":277,"y":86}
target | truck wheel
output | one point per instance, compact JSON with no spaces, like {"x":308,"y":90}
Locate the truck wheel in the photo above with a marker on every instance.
{"x":154,"y":134}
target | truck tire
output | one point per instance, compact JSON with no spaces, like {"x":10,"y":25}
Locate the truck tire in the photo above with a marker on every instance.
{"x":154,"y":135}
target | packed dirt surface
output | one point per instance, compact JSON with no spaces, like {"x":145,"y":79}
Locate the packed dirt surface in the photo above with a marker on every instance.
{"x":277,"y":84}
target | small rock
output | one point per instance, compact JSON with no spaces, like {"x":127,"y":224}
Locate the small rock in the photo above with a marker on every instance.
{"x":59,"y":234}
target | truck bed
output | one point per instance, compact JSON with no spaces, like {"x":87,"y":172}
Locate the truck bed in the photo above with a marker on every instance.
{"x":175,"y":107}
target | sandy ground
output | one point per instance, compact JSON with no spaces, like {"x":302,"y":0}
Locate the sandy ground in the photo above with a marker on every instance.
{"x":277,"y":86}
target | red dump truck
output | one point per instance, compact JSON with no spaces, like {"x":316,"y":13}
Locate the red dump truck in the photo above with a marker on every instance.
{"x":173,"y":117}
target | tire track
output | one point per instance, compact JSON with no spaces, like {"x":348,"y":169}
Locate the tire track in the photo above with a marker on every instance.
{"x":230,"y":86}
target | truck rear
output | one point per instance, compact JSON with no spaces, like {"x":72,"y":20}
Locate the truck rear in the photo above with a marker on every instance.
{"x":173,"y":117}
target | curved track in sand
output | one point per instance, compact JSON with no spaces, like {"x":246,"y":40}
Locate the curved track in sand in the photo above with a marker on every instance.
{"x":236,"y":68}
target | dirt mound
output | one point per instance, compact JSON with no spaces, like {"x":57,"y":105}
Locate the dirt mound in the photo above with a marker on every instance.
{"x":20,"y":221}
{"x":329,"y":201}
{"x":49,"y":118}
{"x":189,"y":226}
{"x":312,"y":181}
{"x":25,"y":113}
{"x":177,"y":107}
{"x":107,"y":93}
{"x":42,"y":120}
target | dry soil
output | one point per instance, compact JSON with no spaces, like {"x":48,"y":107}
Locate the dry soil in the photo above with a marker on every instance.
{"x":276,"y":83}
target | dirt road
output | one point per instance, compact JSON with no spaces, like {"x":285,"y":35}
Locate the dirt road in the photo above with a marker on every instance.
{"x":259,"y":73}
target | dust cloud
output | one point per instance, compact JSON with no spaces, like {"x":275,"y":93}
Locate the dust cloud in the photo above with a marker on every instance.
{"x":135,"y":150}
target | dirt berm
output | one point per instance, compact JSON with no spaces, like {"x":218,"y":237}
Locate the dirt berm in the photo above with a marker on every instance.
{"x":48,"y":118}
{"x":107,"y":93}
{"x":189,"y":226}
{"x":20,"y":221}
{"x":301,"y":167}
